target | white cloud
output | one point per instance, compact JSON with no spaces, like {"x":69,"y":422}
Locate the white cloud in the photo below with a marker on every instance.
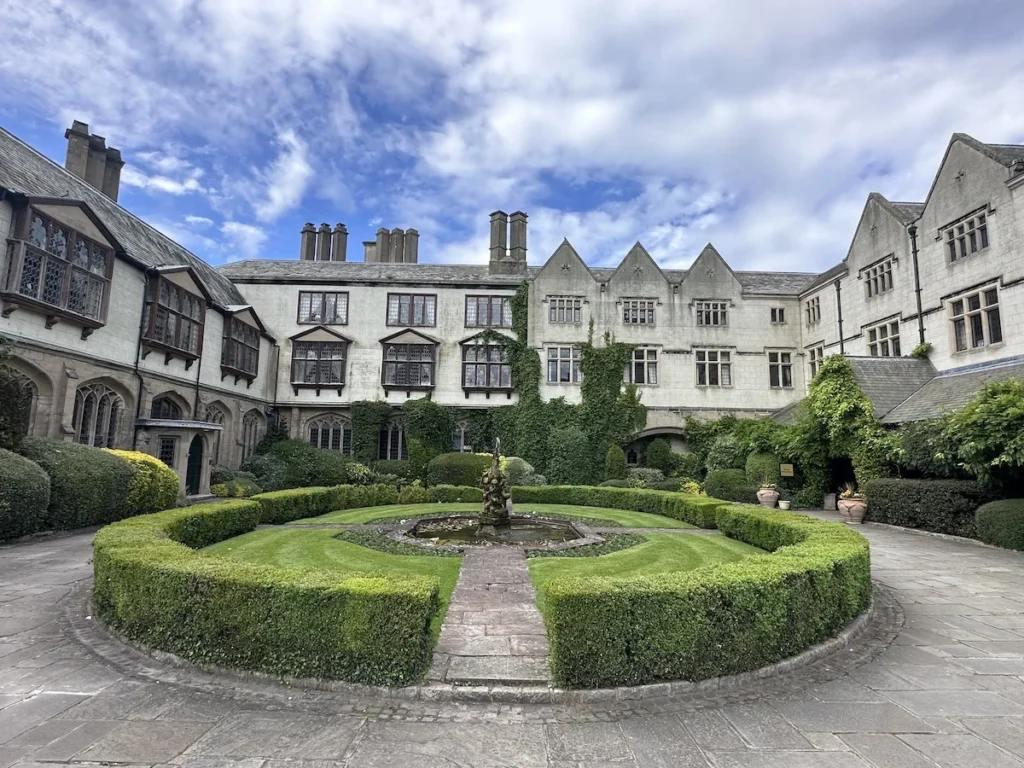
{"x":285,"y":181}
{"x":244,"y":240}
{"x":198,"y":221}
{"x":134,"y":177}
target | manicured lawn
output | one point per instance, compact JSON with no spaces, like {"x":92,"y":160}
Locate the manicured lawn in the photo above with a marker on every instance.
{"x":620,"y":517}
{"x":318,"y":550}
{"x":663,"y":553}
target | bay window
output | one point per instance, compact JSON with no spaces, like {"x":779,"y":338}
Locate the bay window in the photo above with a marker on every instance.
{"x":408,"y":366}
{"x":174,"y":319}
{"x":485,"y":366}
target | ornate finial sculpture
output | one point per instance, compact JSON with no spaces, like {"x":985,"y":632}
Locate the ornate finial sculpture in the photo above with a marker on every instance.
{"x":496,"y":493}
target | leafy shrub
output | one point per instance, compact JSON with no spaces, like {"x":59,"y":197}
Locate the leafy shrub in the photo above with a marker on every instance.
{"x":942,"y":506}
{"x":709,"y":622}
{"x":24,"y":495}
{"x":659,"y":456}
{"x":155,"y":485}
{"x":644,"y":477}
{"x":570,"y":457}
{"x":516,"y":470}
{"x":279,"y":507}
{"x":1002,"y":523}
{"x":220,"y":475}
{"x":989,"y":434}
{"x":678,"y":485}
{"x":457,"y":469}
{"x":689,"y":465}
{"x":726,"y":453}
{"x":928,"y":451}
{"x":15,"y":409}
{"x":88,"y":486}
{"x":730,"y":485}
{"x":615,"y":484}
{"x":401,"y":468}
{"x":297,"y":464}
{"x":415,"y":494}
{"x":150,"y":586}
{"x":615,"y":463}
{"x":454,"y":494}
{"x":762,"y":465}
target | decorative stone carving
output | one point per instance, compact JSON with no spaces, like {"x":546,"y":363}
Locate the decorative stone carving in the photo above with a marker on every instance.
{"x":496,"y":493}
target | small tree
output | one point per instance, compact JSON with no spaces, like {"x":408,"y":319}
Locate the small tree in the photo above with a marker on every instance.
{"x":615,"y":463}
{"x":570,"y":460}
{"x":989,"y":434}
{"x":659,"y":456}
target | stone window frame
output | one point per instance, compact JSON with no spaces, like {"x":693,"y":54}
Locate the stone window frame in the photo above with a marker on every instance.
{"x":569,"y":357}
{"x":500,"y":367}
{"x":253,"y":431}
{"x":780,"y":369}
{"x":816,"y":356}
{"x":330,"y":432}
{"x":391,"y":442}
{"x":338,"y":317}
{"x":63,"y":269}
{"x":778,"y":315}
{"x":490,"y":301}
{"x":97,"y":415}
{"x":643,"y":364}
{"x":165,"y":408}
{"x":160,"y":304}
{"x":214,"y":414}
{"x":428,"y":302}
{"x":883,"y":339}
{"x":812,"y":308}
{"x":966,"y":236}
{"x":975,"y":320}
{"x":878,"y":278}
{"x":718,"y":360}
{"x":711,"y":313}
{"x":565,"y":310}
{"x":639,"y":311}
{"x":167,"y":449}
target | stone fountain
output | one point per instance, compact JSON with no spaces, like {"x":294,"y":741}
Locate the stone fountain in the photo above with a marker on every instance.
{"x":495,"y":518}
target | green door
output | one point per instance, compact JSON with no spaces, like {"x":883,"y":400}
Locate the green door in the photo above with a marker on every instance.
{"x":194,"y":473}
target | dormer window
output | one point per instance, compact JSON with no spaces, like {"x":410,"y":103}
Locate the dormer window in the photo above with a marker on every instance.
{"x":240,"y":353}
{"x":174,"y":319}
{"x":58,"y":270}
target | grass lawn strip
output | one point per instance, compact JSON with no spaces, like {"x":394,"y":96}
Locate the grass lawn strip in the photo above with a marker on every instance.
{"x":661,"y":553}
{"x":320,"y":550}
{"x":593,"y":516}
{"x":381,"y":543}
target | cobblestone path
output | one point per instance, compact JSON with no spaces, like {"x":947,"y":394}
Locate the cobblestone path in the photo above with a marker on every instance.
{"x":948,"y":691}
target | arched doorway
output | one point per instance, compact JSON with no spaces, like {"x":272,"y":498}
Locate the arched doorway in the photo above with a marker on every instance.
{"x":194,"y":471}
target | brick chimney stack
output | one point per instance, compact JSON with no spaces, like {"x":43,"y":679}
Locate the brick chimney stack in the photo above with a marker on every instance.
{"x":323,"y":243}
{"x":412,"y":246}
{"x":518,"y":241}
{"x":90,"y":159}
{"x":339,"y":245}
{"x":499,"y":242}
{"x":307,"y":250}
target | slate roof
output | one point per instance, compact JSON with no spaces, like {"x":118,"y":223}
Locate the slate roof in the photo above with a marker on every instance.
{"x":791,"y":414}
{"x":25,"y":171}
{"x":908,"y":213}
{"x":1007,"y":154}
{"x":825,"y":277}
{"x":888,"y":381}
{"x":950,"y":390}
{"x":258,"y":270}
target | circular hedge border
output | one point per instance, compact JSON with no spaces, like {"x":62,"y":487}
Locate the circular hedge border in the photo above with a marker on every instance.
{"x":152,"y":587}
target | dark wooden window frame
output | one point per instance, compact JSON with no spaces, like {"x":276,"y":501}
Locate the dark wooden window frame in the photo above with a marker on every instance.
{"x":505,"y":309}
{"x":499,"y":364}
{"x":19,"y":250}
{"x":385,"y":362}
{"x":323,"y":302}
{"x":412,"y":301}
{"x":232,"y":346}
{"x":171,"y":351}
{"x":318,"y":385}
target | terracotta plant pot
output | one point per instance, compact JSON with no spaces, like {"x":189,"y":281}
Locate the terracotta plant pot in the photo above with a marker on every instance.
{"x":783,"y":505}
{"x":767,"y":497}
{"x":853,"y":510}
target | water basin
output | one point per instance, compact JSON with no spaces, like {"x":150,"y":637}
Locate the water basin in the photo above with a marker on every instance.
{"x":467,"y":530}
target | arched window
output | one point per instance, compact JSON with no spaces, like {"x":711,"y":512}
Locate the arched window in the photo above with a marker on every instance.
{"x":18,"y":386}
{"x":215,"y":415}
{"x":331,"y":433}
{"x":391,"y":442}
{"x":252,"y":433}
{"x":460,"y":437}
{"x":97,"y":416}
{"x":165,"y":408}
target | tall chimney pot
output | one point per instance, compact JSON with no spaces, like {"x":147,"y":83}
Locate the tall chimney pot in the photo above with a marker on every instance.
{"x":397,"y":246}
{"x":112,"y":174}
{"x":307,"y":250}
{"x":518,"y":249}
{"x":323,"y":243}
{"x":78,"y":148}
{"x":412,"y":246}
{"x":369,"y":251}
{"x":339,"y":244}
{"x":383,"y":245}
{"x":499,"y":241}
{"x":96,"y":165}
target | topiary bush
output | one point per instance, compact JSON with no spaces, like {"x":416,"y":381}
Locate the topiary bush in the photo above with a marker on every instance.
{"x":941,"y":506}
{"x":615,"y":463}
{"x":570,"y":457}
{"x":284,"y":506}
{"x":297,"y":464}
{"x":151,"y":586}
{"x":730,"y":485}
{"x":88,"y":486}
{"x":24,"y":495}
{"x":155,"y":485}
{"x":615,"y":484}
{"x":516,"y":470}
{"x":1001,"y":523}
{"x":15,"y":409}
{"x":761,"y":466}
{"x":659,"y":456}
{"x":457,"y":469}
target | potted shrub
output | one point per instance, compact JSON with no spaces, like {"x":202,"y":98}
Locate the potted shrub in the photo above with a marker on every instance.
{"x":767,"y":493}
{"x":784,"y":503}
{"x":852,"y":505}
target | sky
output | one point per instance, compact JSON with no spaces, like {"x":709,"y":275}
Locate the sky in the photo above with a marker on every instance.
{"x":760,"y":126}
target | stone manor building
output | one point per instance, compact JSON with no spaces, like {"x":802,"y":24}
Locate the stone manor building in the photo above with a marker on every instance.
{"x":127,"y":339}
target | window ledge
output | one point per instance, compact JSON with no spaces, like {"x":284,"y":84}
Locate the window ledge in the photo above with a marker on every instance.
{"x":408,"y":388}
{"x":54,"y":315}
{"x":297,"y":385}
{"x":977,"y":350}
{"x":238,"y":373}
{"x":507,"y":391}
{"x":169,"y":352}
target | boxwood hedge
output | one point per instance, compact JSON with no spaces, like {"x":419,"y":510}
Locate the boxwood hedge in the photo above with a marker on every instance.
{"x":941,"y":506}
{"x":1001,"y":523}
{"x":152,"y":586}
{"x":24,"y":495}
{"x":154,"y":486}
{"x":718,"y":620}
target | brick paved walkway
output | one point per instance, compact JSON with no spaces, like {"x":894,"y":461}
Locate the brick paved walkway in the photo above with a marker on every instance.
{"x":948,"y":692}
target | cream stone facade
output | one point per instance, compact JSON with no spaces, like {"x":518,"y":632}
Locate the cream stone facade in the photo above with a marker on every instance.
{"x":299,"y":340}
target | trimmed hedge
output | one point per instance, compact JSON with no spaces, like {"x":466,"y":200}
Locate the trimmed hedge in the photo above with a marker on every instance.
{"x":718,"y":620}
{"x":457,"y":469}
{"x":731,"y":485}
{"x":24,"y":495}
{"x":1001,"y":523}
{"x":88,"y":486}
{"x":154,"y":487}
{"x":941,"y":506}
{"x":152,"y":587}
{"x":279,"y":507}
{"x":400,"y":468}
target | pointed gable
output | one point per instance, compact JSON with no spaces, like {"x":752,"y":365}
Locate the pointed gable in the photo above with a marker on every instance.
{"x":565,"y":264}
{"x":321,"y":333}
{"x":185,"y":277}
{"x":881,"y":231}
{"x":967,"y":167}
{"x":638,"y":274}
{"x":711,"y":277}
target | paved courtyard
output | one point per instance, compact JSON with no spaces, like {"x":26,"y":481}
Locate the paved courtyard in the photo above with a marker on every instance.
{"x":938,"y":679}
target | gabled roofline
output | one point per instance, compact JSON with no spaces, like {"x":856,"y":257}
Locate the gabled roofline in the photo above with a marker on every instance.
{"x":565,"y":244}
{"x":86,"y":209}
{"x":969,"y":141}
{"x":302,"y":334}
{"x":425,"y":337}
{"x":233,"y":309}
{"x":710,"y":247}
{"x":477,"y":335}
{"x":170,"y":269}
{"x":638,"y":245}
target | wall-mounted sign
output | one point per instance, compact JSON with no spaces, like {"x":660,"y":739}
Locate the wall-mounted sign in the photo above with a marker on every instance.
{"x":786,"y":470}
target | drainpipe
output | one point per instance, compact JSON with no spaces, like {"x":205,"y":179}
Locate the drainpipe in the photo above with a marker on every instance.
{"x":199,"y":373}
{"x":839,"y":309}
{"x":138,"y":357}
{"x":917,"y":283}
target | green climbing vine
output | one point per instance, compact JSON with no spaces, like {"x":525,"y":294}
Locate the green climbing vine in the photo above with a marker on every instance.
{"x":368,"y":416}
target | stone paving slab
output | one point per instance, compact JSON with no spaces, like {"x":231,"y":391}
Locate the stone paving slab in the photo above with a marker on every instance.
{"x":948,"y":693}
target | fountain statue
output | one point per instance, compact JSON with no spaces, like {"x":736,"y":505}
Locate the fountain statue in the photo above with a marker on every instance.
{"x":497,"y":497}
